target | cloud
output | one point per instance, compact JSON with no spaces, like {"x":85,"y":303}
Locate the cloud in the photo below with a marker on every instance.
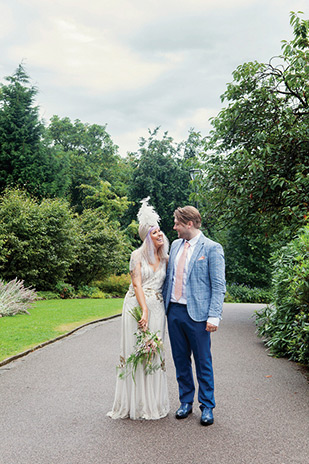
{"x":7,"y":26}
{"x":87,"y":57}
{"x":135,"y":64}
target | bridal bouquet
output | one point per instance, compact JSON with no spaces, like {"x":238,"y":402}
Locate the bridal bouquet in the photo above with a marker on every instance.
{"x":148,"y":345}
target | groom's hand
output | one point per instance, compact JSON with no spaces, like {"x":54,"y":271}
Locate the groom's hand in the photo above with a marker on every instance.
{"x":211,"y":327}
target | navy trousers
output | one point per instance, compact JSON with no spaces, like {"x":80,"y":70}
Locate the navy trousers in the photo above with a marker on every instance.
{"x":187,"y":337}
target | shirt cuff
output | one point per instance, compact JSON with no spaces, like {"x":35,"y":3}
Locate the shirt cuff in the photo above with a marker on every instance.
{"x":214,"y":320}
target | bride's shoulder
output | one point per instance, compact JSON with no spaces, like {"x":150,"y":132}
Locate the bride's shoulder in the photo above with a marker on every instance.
{"x":136,"y":258}
{"x":135,"y":253}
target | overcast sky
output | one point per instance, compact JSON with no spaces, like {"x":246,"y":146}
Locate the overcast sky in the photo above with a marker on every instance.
{"x":138,"y":64}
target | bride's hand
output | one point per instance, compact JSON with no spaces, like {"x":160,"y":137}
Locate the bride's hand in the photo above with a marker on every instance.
{"x":143,"y":322}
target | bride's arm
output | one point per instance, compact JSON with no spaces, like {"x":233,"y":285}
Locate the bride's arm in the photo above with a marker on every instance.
{"x":136,"y":277}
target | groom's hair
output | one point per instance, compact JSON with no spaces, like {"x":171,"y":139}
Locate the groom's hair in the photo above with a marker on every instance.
{"x":188,"y":213}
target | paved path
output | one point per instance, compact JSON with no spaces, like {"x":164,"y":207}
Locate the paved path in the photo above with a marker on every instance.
{"x":54,"y":404}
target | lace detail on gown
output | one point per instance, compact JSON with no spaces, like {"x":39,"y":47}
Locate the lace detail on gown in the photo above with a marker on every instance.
{"x":147,"y":397}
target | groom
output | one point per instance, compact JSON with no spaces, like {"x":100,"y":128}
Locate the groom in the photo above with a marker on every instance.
{"x":193,"y":293}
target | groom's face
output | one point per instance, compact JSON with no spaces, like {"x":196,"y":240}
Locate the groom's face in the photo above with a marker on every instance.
{"x":182,"y":229}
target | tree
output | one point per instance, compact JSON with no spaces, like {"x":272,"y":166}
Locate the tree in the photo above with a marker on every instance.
{"x":161,"y":173}
{"x":93,"y":157}
{"x":25,"y":160}
{"x":103,"y":199}
{"x":256,"y":158}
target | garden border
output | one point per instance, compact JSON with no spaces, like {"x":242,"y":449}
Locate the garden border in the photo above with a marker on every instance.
{"x":53,"y":340}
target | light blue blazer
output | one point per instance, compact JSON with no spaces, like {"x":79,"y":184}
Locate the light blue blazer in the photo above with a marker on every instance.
{"x":205,"y":279}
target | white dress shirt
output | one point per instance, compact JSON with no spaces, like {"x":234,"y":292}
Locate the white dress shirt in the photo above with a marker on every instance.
{"x":183,"y":299}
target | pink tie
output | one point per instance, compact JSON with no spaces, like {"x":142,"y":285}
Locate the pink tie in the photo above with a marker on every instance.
{"x":179,"y":271}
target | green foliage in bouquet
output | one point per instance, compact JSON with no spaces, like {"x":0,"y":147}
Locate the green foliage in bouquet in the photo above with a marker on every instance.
{"x":147,"y":348}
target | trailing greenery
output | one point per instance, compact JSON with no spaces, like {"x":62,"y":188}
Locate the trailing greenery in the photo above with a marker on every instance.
{"x":285,"y":324}
{"x":245,"y":294}
{"x":48,"y":320}
{"x":15,"y":298}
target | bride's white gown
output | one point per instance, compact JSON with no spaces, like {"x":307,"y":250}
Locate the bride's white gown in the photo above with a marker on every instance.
{"x":147,"y":397}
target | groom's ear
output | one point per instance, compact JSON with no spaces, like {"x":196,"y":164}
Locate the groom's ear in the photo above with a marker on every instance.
{"x":189,"y":224}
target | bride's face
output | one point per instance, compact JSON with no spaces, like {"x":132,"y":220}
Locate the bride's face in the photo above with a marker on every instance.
{"x":157,"y":238}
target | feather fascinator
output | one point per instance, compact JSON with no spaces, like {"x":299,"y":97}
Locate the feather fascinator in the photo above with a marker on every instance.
{"x":147,"y":218}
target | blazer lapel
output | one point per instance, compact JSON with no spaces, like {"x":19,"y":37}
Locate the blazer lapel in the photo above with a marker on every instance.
{"x":174,"y":254}
{"x":196,"y":253}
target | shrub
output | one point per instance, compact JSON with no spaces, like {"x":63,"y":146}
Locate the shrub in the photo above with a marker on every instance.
{"x":15,"y":298}
{"x":228,"y":298}
{"x":285,"y":324}
{"x":91,"y":292}
{"x":247,"y":258}
{"x":39,"y":239}
{"x":244,"y":294}
{"x":86,"y":292}
{"x":47,"y":295}
{"x":65,"y":290}
{"x":100,"y":295}
{"x":102,"y":249}
{"x":115,"y":285}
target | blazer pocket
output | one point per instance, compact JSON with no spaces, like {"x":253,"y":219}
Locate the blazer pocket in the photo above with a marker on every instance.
{"x":201,"y":263}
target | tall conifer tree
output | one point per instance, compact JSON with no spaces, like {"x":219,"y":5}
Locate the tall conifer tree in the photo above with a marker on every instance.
{"x":25,"y":159}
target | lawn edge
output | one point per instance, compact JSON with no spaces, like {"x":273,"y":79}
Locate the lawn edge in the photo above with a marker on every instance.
{"x":53,"y":340}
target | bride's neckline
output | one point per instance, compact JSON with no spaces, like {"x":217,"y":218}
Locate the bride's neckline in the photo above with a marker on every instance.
{"x":156,"y":269}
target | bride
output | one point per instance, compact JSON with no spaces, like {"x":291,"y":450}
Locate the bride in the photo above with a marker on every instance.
{"x":146,"y":396}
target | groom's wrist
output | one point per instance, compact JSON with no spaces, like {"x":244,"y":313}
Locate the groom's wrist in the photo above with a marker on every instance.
{"x":214,"y":321}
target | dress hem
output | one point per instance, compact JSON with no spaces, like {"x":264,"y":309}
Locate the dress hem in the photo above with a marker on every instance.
{"x":127,"y":416}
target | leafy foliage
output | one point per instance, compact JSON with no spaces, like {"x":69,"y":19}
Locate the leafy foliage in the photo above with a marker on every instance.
{"x":104,"y":200}
{"x":285,"y":324}
{"x":245,"y":294}
{"x":65,"y":290}
{"x":102,"y":249}
{"x":15,"y":298}
{"x":93,"y":157}
{"x":256,"y":159}
{"x":162,"y":174}
{"x":116,"y":285}
{"x":25,"y":159}
{"x":247,"y":258}
{"x":39,"y":239}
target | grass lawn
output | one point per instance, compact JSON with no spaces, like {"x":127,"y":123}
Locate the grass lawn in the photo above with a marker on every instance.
{"x":49,"y":319}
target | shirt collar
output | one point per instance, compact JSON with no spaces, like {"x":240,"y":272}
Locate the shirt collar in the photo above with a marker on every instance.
{"x":195,"y":239}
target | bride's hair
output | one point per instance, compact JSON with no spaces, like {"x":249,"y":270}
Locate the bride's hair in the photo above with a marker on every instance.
{"x":148,"y":220}
{"x":147,"y":249}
